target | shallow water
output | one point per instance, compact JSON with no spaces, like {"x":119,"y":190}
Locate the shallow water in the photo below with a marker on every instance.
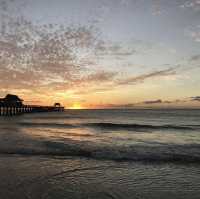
{"x":101,"y":154}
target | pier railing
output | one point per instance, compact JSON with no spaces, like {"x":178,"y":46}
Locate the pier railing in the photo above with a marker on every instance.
{"x":10,"y":110}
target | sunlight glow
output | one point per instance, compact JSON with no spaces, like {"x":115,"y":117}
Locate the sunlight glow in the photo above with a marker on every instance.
{"x":76,"y":106}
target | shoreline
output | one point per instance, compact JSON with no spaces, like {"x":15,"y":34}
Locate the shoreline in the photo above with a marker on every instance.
{"x":72,"y":177}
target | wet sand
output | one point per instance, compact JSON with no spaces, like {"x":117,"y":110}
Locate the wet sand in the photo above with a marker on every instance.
{"x":35,"y":177}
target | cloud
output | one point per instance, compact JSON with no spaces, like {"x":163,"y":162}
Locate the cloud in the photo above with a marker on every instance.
{"x":38,"y":57}
{"x":97,"y":89}
{"x":193,"y":4}
{"x":152,"y":102}
{"x":114,"y":49}
{"x":94,"y":82}
{"x":194,"y":33}
{"x":159,"y":101}
{"x":141,"y":78}
{"x":99,"y":76}
{"x":49,"y":58}
{"x":143,"y":104}
{"x":32,"y":56}
{"x":196,"y":98}
{"x":113,"y":106}
{"x":111,"y":80}
{"x":195,"y":58}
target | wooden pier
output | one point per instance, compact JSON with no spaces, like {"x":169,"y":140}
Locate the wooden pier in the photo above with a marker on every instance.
{"x":12,"y":105}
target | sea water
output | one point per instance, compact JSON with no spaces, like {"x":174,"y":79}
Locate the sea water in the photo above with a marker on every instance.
{"x":101,"y":154}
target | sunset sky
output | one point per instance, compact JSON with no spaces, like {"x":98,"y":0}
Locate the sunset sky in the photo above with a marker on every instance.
{"x":101,"y":53}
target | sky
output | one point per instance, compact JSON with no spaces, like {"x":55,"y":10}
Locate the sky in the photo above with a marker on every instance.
{"x":101,"y":53}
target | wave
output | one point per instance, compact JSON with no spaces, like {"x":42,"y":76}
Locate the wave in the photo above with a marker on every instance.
{"x":138,"y":126}
{"x":56,"y":117}
{"x":189,"y":153}
{"x":111,"y":126}
{"x":47,"y":124}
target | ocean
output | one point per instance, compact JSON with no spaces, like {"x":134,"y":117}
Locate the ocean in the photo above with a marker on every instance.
{"x":137,"y":153}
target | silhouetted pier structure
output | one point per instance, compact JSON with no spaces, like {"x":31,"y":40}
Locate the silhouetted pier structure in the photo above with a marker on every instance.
{"x":13,"y":105}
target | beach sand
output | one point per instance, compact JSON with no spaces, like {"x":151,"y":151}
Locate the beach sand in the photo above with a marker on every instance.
{"x":36,"y":177}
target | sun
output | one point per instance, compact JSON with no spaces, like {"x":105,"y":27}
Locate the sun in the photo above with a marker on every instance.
{"x":76,"y":106}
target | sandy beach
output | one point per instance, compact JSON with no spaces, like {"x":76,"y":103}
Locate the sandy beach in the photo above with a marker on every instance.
{"x":33,"y":177}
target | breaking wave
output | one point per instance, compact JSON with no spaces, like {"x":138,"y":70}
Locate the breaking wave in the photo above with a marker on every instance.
{"x":111,"y":126}
{"x":188,"y":153}
{"x":138,"y":126}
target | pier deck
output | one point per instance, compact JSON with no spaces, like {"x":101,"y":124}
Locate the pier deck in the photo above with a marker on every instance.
{"x":12,"y":105}
{"x":17,"y":110}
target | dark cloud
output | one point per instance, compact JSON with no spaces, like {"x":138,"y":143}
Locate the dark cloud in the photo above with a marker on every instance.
{"x":152,"y":102}
{"x":159,"y":101}
{"x":167,"y":102}
{"x":147,"y":103}
{"x":196,"y":98}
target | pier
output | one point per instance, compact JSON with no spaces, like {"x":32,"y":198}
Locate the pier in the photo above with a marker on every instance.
{"x":12,"y":105}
